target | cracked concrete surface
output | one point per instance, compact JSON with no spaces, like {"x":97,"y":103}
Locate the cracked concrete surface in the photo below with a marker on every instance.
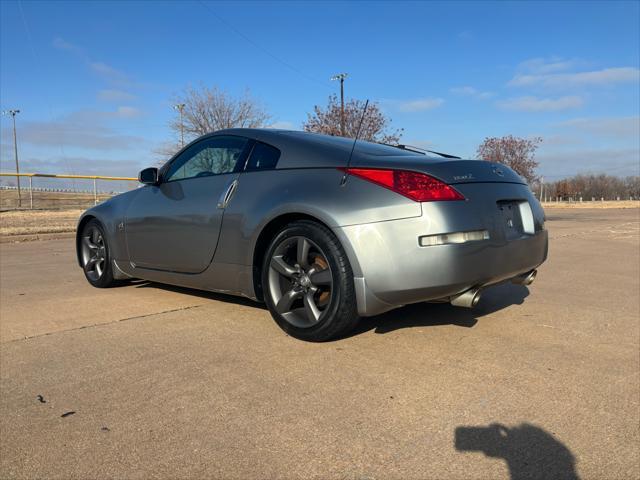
{"x":169,"y":382}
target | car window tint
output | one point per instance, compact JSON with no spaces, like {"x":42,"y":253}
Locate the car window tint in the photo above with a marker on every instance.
{"x":263,"y":157}
{"x":213,"y":156}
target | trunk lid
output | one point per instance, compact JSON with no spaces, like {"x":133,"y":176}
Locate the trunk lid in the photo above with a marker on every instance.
{"x":450,"y":171}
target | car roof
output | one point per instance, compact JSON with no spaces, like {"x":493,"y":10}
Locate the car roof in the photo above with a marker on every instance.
{"x":314,"y":140}
{"x":307,"y":149}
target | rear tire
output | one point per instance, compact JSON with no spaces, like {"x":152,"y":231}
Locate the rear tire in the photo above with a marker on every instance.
{"x":308,"y":283}
{"x":95,"y":256}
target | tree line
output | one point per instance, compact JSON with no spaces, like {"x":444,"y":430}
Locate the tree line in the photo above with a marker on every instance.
{"x":590,"y":187}
{"x":207,"y":109}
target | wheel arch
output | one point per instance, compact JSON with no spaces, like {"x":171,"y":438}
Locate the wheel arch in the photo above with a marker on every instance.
{"x":264,"y":239}
{"x":81,"y":224}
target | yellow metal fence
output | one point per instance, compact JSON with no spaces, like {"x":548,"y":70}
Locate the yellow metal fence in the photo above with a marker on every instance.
{"x":31,"y":176}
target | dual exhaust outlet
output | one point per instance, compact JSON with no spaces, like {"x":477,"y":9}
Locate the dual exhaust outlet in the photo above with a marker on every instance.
{"x":471,"y":297}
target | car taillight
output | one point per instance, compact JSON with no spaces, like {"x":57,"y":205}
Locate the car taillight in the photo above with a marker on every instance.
{"x":414,"y":185}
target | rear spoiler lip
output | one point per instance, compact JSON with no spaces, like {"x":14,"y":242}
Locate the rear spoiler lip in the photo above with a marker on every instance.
{"x":487,"y":181}
{"x":421,"y":151}
{"x":445,"y":155}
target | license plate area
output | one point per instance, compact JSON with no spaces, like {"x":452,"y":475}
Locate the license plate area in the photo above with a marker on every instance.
{"x":511,"y":218}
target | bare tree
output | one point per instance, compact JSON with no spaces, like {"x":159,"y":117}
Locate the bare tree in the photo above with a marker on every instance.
{"x":376,"y":126}
{"x":516,"y":153}
{"x":166,"y":150}
{"x":207,"y":109}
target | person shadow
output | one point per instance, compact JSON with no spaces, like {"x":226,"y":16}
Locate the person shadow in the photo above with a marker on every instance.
{"x":530,"y":451}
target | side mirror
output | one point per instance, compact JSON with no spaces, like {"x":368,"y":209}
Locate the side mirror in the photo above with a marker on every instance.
{"x":149,"y":176}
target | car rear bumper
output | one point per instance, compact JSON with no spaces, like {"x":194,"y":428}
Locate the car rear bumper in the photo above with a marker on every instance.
{"x":392,"y":269}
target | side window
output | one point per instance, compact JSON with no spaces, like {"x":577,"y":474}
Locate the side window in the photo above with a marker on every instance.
{"x":213,"y":156}
{"x":263,"y":157}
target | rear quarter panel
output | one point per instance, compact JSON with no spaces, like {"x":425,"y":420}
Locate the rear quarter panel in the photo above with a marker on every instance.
{"x":264,"y":196}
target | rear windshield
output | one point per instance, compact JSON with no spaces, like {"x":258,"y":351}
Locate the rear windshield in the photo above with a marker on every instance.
{"x":368,"y":148}
{"x":385,"y":150}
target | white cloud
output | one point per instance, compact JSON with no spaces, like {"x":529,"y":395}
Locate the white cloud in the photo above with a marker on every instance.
{"x":76,"y":165}
{"x":597,"y":145}
{"x":82,"y":166}
{"x":62,"y":44}
{"x":83,"y":129}
{"x":549,"y":65}
{"x":606,"y":76}
{"x":104,"y":69}
{"x":619,"y":127}
{"x":471,"y":92}
{"x":613,"y":161}
{"x":127,"y":112}
{"x":535,"y":104}
{"x":561,"y":140}
{"x":464,"y":90}
{"x":416,"y":105}
{"x":115,"y":96}
{"x":109,"y":73}
{"x":116,"y":79}
{"x":281,"y":125}
{"x":112,"y":75}
{"x":6,"y":150}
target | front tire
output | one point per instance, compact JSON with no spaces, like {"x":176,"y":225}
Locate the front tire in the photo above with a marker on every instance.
{"x":308,"y":283}
{"x":95,"y":256}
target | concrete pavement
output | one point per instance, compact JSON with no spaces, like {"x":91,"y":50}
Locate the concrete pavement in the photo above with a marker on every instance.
{"x":168,"y":382}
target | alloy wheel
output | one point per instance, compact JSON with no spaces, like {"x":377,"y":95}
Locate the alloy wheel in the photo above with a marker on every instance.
{"x":300,"y":281}
{"x":94,"y":253}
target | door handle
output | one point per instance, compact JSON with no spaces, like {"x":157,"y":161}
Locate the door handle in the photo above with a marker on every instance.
{"x":224,"y":199}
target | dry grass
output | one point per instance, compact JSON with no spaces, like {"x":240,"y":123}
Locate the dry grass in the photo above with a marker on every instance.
{"x":24,"y":222}
{"x":596,"y":204}
{"x":49,"y":200}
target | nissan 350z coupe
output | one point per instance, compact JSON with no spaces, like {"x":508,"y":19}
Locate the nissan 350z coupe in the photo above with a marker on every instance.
{"x":321,"y":233}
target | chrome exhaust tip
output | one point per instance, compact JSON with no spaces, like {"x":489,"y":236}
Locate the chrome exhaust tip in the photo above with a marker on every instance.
{"x":526,"y":279}
{"x":468,"y":299}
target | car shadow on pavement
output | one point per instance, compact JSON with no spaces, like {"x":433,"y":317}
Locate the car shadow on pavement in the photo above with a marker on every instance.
{"x":434,"y":314}
{"x":221,"y":297}
{"x":530,"y":451}
{"x":415,"y":315}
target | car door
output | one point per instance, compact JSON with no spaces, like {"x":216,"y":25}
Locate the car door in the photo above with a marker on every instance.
{"x":175,"y":225}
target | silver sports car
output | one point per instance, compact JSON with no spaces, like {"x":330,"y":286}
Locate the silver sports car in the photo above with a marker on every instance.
{"x":322,"y":232}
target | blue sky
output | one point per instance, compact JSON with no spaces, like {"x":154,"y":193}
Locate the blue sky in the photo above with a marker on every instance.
{"x":94,"y":80}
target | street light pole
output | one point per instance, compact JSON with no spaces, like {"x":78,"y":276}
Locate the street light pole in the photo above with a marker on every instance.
{"x":13,"y":114}
{"x":180,"y":108}
{"x":341,"y":77}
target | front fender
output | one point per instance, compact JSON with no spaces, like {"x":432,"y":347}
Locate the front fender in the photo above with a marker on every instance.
{"x":110,"y":214}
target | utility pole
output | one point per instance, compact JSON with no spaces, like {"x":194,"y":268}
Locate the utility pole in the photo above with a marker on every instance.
{"x":541,"y":187}
{"x":13,"y":114}
{"x":180,"y":108}
{"x":341,"y":77}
